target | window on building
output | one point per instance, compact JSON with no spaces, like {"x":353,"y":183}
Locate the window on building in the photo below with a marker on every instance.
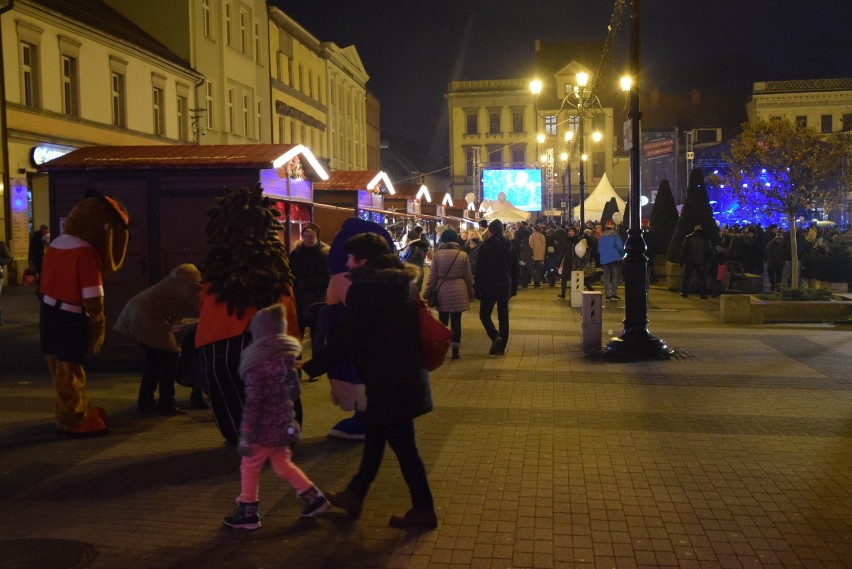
{"x":846,"y":120}
{"x":159,"y":112}
{"x":472,"y":125}
{"x":30,"y":95}
{"x":519,"y":156}
{"x":826,"y":124}
{"x":208,"y":99}
{"x":599,"y":123}
{"x":301,"y":86}
{"x":257,"y":50}
{"x":598,"y":164}
{"x":311,"y":83}
{"x":244,"y":45}
{"x":229,"y":116}
{"x":206,"y":19}
{"x":280,"y":130}
{"x":550,"y":125}
{"x":801,"y":121}
{"x":246,"y":120}
{"x":70,"y":86}
{"x":469,"y":157}
{"x":494,"y":123}
{"x":228,"y":23}
{"x":495,"y":156}
{"x":518,"y":121}
{"x":706,"y":135}
{"x":182,"y":118}
{"x":119,"y":100}
{"x":258,"y":115}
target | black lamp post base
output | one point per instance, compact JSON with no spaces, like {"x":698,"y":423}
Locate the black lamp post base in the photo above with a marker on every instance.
{"x":637,"y":347}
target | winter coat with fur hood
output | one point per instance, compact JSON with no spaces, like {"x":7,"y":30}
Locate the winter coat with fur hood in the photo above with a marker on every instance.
{"x":380,"y":328}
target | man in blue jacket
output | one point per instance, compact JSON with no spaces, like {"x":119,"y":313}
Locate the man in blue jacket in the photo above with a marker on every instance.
{"x":611,"y":251}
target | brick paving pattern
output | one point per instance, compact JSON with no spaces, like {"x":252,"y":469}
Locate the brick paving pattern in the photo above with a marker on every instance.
{"x":738,"y":453}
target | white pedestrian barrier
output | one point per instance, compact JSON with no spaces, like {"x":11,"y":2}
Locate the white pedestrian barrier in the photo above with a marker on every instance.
{"x":576,"y":289}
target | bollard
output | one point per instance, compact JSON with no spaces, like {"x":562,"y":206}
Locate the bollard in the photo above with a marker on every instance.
{"x":576,"y":289}
{"x":592,"y":322}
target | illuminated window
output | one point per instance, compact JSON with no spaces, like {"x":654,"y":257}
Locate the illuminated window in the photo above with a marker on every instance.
{"x":550,"y":125}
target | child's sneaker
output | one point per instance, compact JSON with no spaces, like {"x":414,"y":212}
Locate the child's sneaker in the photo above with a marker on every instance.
{"x":315,"y":502}
{"x":244,"y":517}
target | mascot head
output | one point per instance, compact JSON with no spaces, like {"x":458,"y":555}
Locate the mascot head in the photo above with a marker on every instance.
{"x":102,"y":222}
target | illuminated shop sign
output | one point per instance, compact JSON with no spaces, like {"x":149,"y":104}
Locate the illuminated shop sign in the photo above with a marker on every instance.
{"x":42,"y":154}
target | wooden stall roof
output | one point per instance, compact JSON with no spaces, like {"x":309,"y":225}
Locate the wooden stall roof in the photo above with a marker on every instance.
{"x":354,"y":180}
{"x":183,"y":157}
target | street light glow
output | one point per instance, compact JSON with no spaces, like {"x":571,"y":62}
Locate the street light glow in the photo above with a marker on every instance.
{"x":540,"y":138}
{"x":596,"y":136}
{"x":569,"y":136}
{"x":535,"y":87}
{"x":582,"y":79}
{"x":563,"y":156}
{"x":626,"y":83}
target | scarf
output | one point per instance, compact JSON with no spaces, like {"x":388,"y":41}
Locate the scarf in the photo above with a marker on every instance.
{"x":266,"y":348}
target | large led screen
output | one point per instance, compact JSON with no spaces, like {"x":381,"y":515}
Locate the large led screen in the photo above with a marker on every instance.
{"x":522,"y":187}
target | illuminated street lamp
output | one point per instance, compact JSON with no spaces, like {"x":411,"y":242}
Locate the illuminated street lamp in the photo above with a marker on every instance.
{"x":586,"y":104}
{"x":635,"y":342}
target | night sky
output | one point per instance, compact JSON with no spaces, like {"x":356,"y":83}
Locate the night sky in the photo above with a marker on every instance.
{"x":412,"y":49}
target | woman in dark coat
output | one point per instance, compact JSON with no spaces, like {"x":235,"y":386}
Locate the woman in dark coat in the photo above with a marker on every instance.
{"x":309,"y":264}
{"x":380,"y":328}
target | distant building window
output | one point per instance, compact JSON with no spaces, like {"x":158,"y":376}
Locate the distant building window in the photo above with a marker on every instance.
{"x":182,"y":119}
{"x":847,"y":122}
{"x":519,"y":156}
{"x":469,"y":157}
{"x":119,"y":104}
{"x":70,"y":86}
{"x":206,"y":19}
{"x":826,"y":124}
{"x":494,"y":123}
{"x":495,"y":156}
{"x":258,"y":106}
{"x":472,"y":125}
{"x":29,"y":75}
{"x":227,"y":23}
{"x":705,"y":136}
{"x":802,"y":121}
{"x":598,"y":164}
{"x":230,"y":112}
{"x":257,"y":50}
{"x":517,"y":121}
{"x":280,"y":130}
{"x":159,"y":112}
{"x":244,"y":45}
{"x":550,"y":125}
{"x":310,"y":83}
{"x":208,"y":99}
{"x":246,"y":122}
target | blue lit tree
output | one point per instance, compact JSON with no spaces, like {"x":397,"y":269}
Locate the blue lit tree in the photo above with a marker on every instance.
{"x":777,"y":167}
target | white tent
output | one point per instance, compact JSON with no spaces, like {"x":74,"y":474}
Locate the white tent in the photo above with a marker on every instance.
{"x":505,"y":211}
{"x":596,"y":201}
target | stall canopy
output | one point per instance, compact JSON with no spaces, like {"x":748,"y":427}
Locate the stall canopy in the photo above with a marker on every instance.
{"x":595,"y":202}
{"x":370,"y":180}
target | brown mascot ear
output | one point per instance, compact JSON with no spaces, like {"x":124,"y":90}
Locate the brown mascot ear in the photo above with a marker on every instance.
{"x":114,"y":220}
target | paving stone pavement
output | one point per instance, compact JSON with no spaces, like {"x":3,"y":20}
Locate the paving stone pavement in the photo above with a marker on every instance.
{"x":738,"y":453}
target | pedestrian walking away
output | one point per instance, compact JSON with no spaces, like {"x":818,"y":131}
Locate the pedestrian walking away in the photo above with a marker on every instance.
{"x":494,"y":283}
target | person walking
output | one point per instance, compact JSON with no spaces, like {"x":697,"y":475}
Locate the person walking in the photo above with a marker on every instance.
{"x":269,"y":425}
{"x":309,"y":264}
{"x":565,"y":257}
{"x":415,"y":252}
{"x":5,"y":259}
{"x":450,"y":276}
{"x":695,"y":254}
{"x":148,"y":318}
{"x":380,"y":329}
{"x":538,"y":244}
{"x":775,"y":253}
{"x":494,"y":283}
{"x":39,"y":241}
{"x":611,"y":252}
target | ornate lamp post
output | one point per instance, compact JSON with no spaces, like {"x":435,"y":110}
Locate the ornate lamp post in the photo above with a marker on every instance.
{"x":635,"y":342}
{"x":585,"y":104}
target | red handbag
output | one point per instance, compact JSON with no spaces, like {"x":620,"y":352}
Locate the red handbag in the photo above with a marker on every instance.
{"x":29,"y":277}
{"x":435,"y":338}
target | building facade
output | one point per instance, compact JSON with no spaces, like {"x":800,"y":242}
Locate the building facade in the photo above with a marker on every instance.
{"x":374,"y":132}
{"x":227,"y":41}
{"x":79,"y":74}
{"x":347,"y":108}
{"x":496,"y":124}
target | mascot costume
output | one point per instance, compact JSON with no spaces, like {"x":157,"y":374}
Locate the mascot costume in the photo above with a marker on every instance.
{"x":72,"y":323}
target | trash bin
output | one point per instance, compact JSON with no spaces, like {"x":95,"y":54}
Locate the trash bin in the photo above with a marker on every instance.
{"x":592,"y":320}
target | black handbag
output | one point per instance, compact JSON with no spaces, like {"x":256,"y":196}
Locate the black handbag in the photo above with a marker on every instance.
{"x":432,"y":299}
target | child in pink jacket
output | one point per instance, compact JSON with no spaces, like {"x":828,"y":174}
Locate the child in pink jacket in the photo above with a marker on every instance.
{"x":269,"y":424}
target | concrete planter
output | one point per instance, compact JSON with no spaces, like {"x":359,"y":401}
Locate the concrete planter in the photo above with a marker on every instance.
{"x":747,"y":309}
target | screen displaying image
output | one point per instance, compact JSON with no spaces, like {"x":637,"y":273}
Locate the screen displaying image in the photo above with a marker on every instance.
{"x":522,"y":187}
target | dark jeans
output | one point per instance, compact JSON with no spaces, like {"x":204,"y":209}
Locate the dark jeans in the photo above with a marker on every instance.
{"x":702,"y":278}
{"x":454,"y":320}
{"x":159,"y":375}
{"x":486,"y":307}
{"x":776,"y":272}
{"x":400,"y":437}
{"x":537,"y":272}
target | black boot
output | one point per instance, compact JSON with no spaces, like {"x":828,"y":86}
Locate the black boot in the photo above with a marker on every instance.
{"x":455,"y":347}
